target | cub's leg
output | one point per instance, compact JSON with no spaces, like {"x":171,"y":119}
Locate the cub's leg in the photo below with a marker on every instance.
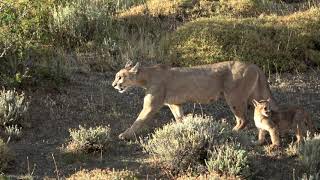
{"x":275,"y":139}
{"x":151,"y":105}
{"x":239,"y":108}
{"x":261,"y":136}
{"x":274,"y":133}
{"x":273,"y":130}
{"x":176,"y":111}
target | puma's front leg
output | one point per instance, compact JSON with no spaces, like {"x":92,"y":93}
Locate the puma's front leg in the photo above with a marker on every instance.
{"x":176,"y":111}
{"x":151,"y":105}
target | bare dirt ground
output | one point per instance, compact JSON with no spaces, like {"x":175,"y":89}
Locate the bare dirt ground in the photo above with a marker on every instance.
{"x":88,"y":99}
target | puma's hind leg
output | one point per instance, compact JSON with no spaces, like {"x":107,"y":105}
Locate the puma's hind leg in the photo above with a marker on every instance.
{"x":238,"y":107}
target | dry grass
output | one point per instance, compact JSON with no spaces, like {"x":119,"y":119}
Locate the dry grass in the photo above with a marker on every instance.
{"x":274,"y":43}
{"x":102,"y":174}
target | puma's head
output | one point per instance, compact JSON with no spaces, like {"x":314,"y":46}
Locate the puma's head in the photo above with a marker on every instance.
{"x":126,"y":77}
{"x":262,"y":107}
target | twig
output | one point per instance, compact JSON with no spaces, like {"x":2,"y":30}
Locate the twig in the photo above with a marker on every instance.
{"x":56,"y":167}
{"x":28,"y":165}
{"x":4,"y":51}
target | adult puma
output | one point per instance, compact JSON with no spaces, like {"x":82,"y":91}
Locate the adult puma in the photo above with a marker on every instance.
{"x":238,"y":82}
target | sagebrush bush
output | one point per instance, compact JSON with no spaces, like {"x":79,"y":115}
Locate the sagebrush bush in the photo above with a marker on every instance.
{"x":277,"y":43}
{"x":179,"y":146}
{"x":89,"y":139}
{"x":5,"y":155}
{"x":13,"y":107}
{"x":315,"y":176}
{"x":228,"y":159}
{"x":13,"y":131}
{"x":309,"y":154}
{"x":103,"y":174}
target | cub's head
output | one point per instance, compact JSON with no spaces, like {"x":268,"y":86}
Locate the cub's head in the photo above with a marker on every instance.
{"x":126,"y":77}
{"x":262,"y":107}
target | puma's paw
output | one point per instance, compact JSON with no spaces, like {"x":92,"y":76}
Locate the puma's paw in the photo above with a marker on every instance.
{"x":127,"y":135}
{"x":274,"y":146}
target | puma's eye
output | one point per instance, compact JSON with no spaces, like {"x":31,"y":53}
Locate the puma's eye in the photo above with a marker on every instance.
{"x":119,"y":77}
{"x":265,"y":108}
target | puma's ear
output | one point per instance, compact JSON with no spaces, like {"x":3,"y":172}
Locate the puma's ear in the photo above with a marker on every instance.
{"x":269,"y":99}
{"x":128,"y":64}
{"x":135,"y":68}
{"x":255,"y":102}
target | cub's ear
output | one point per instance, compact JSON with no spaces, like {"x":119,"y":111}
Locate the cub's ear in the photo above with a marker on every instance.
{"x":135,"y":68}
{"x":128,"y":64}
{"x":255,"y":102}
{"x":268,"y":99}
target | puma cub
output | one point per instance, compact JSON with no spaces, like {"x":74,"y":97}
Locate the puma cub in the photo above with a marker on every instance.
{"x":280,"y":121}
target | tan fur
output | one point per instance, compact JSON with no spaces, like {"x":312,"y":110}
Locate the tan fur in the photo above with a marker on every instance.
{"x":277,"y":122}
{"x":236,"y":81}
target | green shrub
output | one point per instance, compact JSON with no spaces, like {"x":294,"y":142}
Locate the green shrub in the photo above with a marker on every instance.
{"x":159,"y":16}
{"x":309,"y":154}
{"x":25,"y":38}
{"x":179,"y":146}
{"x":76,"y":23}
{"x":89,"y":139}
{"x":102,"y":174}
{"x":13,"y":107}
{"x":5,"y":155}
{"x":281,"y":43}
{"x":228,"y":159}
{"x":252,"y":8}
